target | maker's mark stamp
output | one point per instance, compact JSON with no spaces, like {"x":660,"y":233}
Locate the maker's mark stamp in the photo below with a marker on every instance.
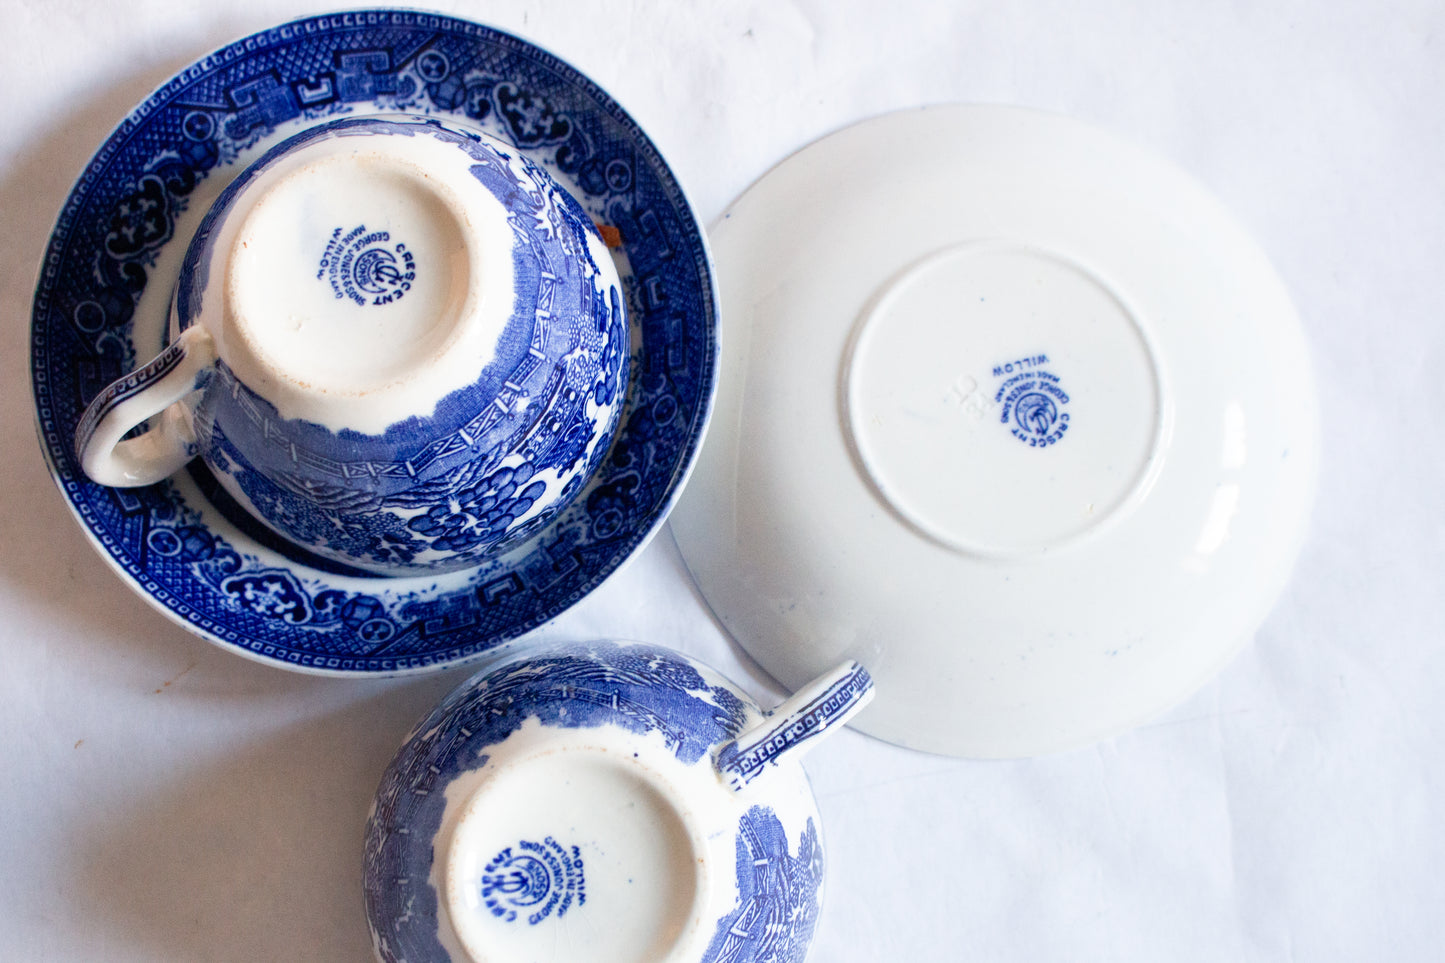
{"x":1032,"y":402}
{"x":365,"y":267}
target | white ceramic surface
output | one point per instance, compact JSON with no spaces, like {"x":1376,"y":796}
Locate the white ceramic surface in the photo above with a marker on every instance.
{"x":284,"y":287}
{"x":1011,"y":412}
{"x":603,"y":803}
{"x":185,"y":544}
{"x":379,"y":320}
{"x":1289,"y":809}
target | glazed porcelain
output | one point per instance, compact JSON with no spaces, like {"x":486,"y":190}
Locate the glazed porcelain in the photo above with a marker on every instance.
{"x":600,"y":804}
{"x":1013,"y":413}
{"x":103,"y":301}
{"x":400,"y":345}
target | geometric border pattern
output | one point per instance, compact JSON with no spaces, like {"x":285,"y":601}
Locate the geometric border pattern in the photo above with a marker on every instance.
{"x":179,"y":543}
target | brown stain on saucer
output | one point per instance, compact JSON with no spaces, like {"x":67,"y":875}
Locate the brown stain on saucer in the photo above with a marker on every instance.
{"x":175,"y":678}
{"x":611,"y":236}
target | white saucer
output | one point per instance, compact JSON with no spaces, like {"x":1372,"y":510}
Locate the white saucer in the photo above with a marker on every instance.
{"x":1011,"y":412}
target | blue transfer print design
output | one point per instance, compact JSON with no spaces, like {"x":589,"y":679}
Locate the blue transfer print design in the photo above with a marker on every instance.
{"x":128,"y":387}
{"x":637,"y":688}
{"x":142,"y":220}
{"x":530,"y":880}
{"x":1036,"y":413}
{"x":365,"y":267}
{"x":779,"y":895}
{"x":742,"y":766}
{"x":352,"y":494}
{"x":1032,"y":401}
{"x":275,"y":593}
{"x":178,"y":541}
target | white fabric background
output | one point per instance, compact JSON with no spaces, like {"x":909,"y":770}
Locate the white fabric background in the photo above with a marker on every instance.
{"x":161,"y":799}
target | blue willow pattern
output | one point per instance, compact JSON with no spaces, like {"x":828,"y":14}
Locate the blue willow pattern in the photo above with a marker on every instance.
{"x":635,"y":688}
{"x":779,"y":895}
{"x":249,"y":590}
{"x":359,"y":497}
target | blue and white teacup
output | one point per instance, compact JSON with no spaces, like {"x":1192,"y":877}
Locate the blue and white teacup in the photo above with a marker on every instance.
{"x":601,"y":803}
{"x":398,"y":343}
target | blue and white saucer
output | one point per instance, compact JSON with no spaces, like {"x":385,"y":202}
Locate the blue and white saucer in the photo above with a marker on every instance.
{"x":102,"y":300}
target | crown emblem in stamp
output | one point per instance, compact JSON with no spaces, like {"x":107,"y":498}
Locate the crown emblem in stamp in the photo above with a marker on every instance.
{"x":535,"y":880}
{"x":366,"y":267}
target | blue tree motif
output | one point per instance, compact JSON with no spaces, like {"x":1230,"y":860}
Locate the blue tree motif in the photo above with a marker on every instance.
{"x":348,"y":524}
{"x":778,"y":895}
{"x":479,"y":513}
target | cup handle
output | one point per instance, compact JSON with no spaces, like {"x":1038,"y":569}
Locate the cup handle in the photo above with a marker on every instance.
{"x":790,"y":729}
{"x":154,"y":388}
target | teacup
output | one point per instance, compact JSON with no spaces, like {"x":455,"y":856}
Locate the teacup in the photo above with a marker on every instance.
{"x":398,"y":343}
{"x":599,"y":804}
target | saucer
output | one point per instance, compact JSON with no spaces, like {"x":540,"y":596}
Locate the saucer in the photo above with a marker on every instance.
{"x":1011,"y":412}
{"x":102,"y":301}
